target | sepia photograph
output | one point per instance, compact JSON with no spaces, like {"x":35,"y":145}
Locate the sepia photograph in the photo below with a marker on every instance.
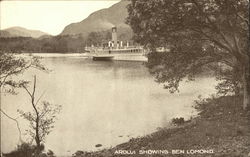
{"x":124,"y":78}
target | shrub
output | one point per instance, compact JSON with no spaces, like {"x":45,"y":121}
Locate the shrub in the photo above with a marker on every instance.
{"x":28,"y":150}
{"x":22,"y":150}
{"x":178,"y":121}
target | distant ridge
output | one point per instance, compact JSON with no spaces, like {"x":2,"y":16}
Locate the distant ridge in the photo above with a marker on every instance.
{"x":21,"y":32}
{"x":102,"y":20}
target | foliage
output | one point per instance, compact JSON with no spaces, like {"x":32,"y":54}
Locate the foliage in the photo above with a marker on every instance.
{"x":28,"y":150}
{"x":205,"y":33}
{"x":47,"y":114}
{"x":22,"y":150}
{"x":98,"y":38}
{"x":55,"y":44}
{"x":12,"y":65}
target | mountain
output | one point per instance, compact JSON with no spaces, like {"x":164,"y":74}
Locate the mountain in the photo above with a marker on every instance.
{"x":102,"y":20}
{"x":21,"y":32}
{"x":4,"y":34}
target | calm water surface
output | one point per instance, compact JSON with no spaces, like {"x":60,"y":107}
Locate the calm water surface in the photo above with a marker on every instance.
{"x":103,"y":103}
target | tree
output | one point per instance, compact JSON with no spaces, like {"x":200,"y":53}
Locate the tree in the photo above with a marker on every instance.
{"x":198,"y":33}
{"x":41,"y":119}
{"x":11,"y":65}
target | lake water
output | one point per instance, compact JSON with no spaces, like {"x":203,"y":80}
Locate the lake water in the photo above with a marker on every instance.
{"x":103,"y":103}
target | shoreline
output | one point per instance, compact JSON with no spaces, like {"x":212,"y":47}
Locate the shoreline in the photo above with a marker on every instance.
{"x":221,"y":129}
{"x":136,"y":57}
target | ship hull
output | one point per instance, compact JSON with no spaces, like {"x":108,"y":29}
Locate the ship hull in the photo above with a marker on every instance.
{"x":103,"y":58}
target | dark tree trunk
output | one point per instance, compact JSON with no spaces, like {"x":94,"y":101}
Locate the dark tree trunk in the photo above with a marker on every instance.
{"x":38,"y":142}
{"x":37,"y":138}
{"x":245,"y":82}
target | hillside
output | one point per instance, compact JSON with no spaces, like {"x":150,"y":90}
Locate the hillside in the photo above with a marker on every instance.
{"x":102,"y":20}
{"x":21,"y":32}
{"x":5,"y":34}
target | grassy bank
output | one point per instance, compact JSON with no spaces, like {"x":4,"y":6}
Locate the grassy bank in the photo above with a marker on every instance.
{"x":222,"y":129}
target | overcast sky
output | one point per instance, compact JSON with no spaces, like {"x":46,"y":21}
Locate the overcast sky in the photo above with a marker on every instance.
{"x":48,"y":16}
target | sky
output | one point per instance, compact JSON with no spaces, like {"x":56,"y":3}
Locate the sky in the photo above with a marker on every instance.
{"x":48,"y":16}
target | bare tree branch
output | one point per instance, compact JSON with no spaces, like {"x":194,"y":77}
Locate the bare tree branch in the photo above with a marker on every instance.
{"x":40,"y":98}
{"x":243,"y":19}
{"x":27,"y":91}
{"x":17,"y":124}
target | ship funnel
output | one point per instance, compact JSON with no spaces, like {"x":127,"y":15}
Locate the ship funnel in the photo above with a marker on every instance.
{"x":114,"y":36}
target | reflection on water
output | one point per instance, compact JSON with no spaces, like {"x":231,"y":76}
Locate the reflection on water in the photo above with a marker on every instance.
{"x":103,"y":102}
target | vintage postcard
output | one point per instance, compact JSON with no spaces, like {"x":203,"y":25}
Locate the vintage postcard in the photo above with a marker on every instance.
{"x":109,"y":78}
